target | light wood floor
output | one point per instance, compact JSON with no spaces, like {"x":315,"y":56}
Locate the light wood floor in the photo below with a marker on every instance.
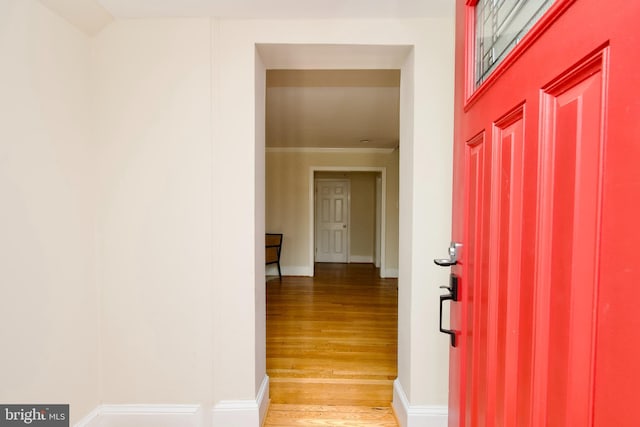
{"x":331,"y":348}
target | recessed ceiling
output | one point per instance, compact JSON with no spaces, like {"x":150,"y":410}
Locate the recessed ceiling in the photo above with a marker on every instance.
{"x":330,"y":57}
{"x":279,"y":9}
{"x":333,"y":109}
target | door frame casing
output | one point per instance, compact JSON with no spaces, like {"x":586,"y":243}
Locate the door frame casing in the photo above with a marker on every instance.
{"x":312,"y":243}
{"x":378,"y":207}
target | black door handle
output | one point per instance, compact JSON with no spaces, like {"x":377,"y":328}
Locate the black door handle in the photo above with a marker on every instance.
{"x":452,"y":296}
{"x":451,"y":333}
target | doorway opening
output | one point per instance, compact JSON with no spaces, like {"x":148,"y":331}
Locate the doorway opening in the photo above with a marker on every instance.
{"x":365,"y":221}
{"x":325,"y":121}
{"x":290,"y":174}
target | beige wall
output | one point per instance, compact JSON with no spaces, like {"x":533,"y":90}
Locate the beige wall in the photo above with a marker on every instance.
{"x":48,"y":297}
{"x":363,"y":216}
{"x":153,"y":139}
{"x":287,"y":206}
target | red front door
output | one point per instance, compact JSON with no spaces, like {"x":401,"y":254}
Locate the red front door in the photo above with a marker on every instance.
{"x":547,"y":207}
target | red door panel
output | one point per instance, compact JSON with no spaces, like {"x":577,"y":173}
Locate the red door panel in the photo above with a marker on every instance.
{"x":509,"y":155}
{"x":476,"y":298}
{"x":571,"y":145}
{"x":546,"y":204}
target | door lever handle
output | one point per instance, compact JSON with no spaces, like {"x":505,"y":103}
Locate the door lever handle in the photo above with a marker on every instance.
{"x":451,"y":296}
{"x":449,"y":332}
{"x":454,"y":254}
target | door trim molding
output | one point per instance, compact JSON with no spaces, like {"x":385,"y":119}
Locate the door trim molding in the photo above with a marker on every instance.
{"x":417,"y":415}
{"x":378,"y":230}
{"x":383,"y":220}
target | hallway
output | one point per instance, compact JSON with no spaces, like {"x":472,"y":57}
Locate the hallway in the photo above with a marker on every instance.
{"x":332,"y":347}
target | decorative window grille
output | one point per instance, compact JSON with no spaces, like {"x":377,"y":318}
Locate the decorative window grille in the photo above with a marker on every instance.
{"x":500,"y":25}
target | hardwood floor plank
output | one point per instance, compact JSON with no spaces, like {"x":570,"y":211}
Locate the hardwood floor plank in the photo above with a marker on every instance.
{"x":332,"y":348}
{"x":322,"y":415}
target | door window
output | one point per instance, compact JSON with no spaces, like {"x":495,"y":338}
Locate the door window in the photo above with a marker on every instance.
{"x":500,"y":24}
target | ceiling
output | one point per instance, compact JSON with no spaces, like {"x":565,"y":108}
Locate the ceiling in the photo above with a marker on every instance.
{"x":281,"y":9}
{"x":93,"y":15}
{"x":333,"y":109}
{"x":87,"y":15}
{"x":324,"y":109}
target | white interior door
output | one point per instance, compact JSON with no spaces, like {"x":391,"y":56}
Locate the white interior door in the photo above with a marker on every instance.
{"x":332,"y":220}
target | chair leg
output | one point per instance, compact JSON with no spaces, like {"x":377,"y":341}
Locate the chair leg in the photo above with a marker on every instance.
{"x":279,"y":273}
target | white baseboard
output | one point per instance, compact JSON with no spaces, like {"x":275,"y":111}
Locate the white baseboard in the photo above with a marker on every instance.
{"x":236,"y":413}
{"x":389,"y":273}
{"x":143,"y":416}
{"x":271,"y":270}
{"x":307,"y":271}
{"x":303,"y":270}
{"x":88,"y":419}
{"x":263,"y":399}
{"x":417,"y":415}
{"x":296,"y":270}
{"x":360,"y":259}
{"x":242,"y":413}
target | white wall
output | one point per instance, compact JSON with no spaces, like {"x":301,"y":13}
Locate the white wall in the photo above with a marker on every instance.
{"x":235,"y":254}
{"x":425,"y":166}
{"x":48,"y":296}
{"x":260,"y":300}
{"x":141,"y":64}
{"x":168,"y":196}
{"x":426,"y":169}
{"x":153,"y":139}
